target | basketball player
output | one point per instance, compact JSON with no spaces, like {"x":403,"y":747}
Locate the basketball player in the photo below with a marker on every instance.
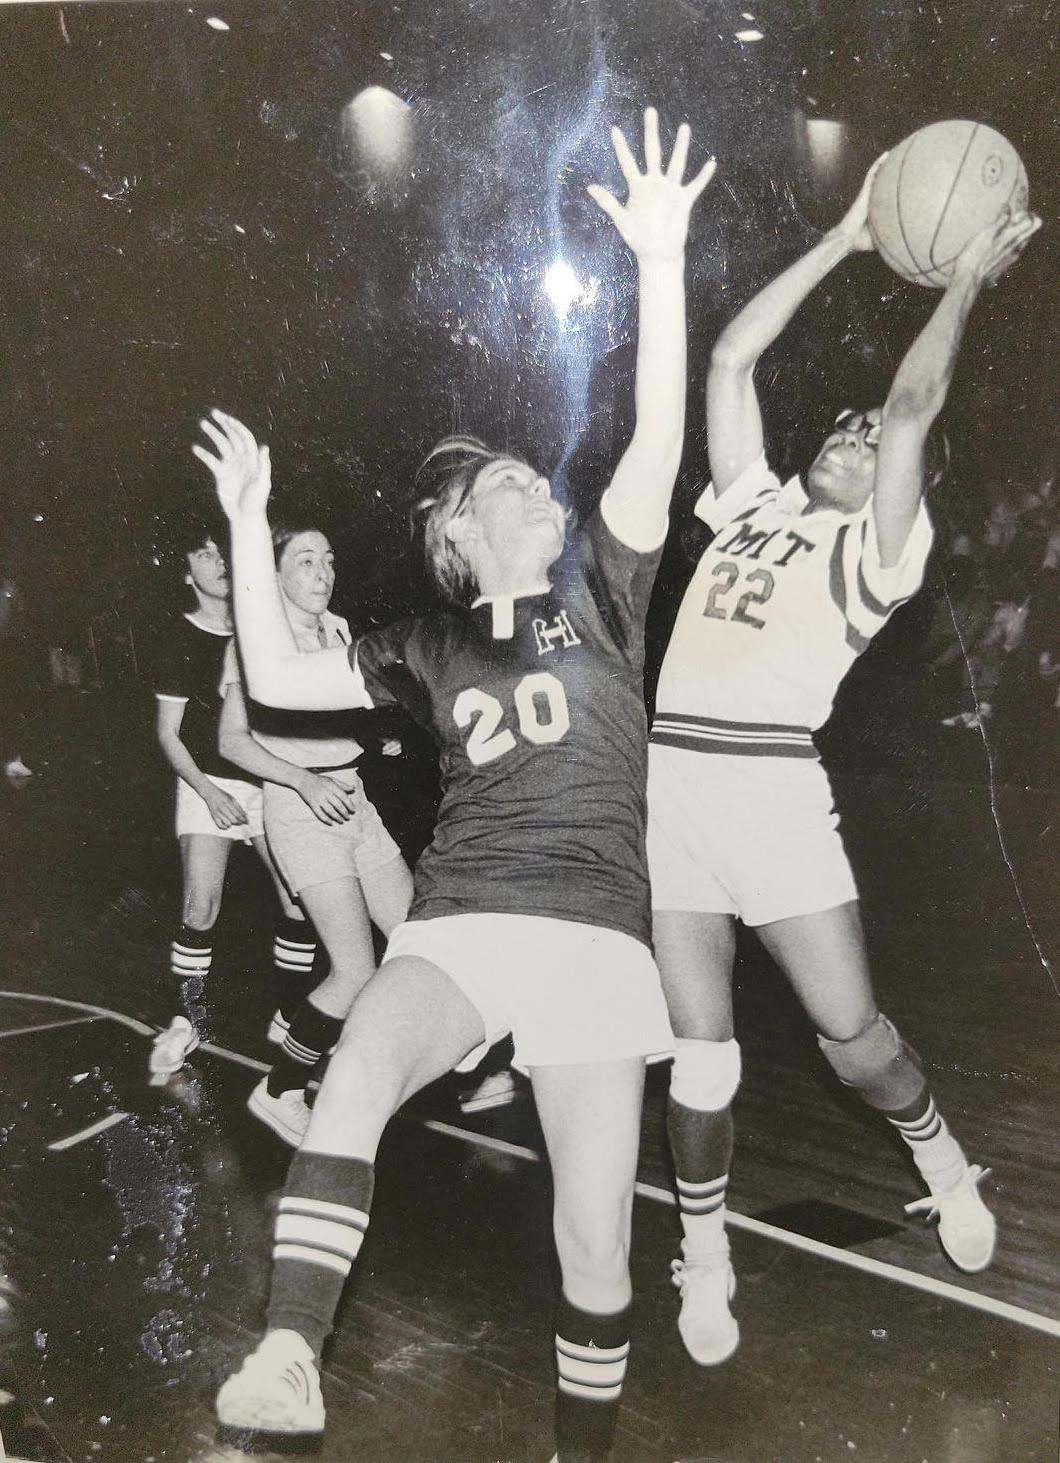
{"x":327,"y":840}
{"x":797,"y":580}
{"x":216,"y":803}
{"x":530,"y":913}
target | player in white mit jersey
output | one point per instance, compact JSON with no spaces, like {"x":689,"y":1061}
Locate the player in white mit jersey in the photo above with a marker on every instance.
{"x":797,"y":580}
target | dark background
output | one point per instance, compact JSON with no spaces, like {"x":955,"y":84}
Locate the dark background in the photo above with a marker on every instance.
{"x":183,"y":227}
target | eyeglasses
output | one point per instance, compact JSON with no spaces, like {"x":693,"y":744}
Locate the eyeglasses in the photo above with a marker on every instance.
{"x":856,"y":421}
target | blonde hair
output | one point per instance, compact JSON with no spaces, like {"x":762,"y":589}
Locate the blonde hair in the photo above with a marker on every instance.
{"x":456,"y":463}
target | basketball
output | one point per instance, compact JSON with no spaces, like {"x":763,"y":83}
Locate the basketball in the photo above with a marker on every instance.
{"x":938,"y":188}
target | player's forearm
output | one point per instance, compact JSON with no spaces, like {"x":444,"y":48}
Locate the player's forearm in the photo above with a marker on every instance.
{"x":648,"y":470}
{"x":240,"y":748}
{"x":266,"y":644}
{"x":762,"y":320}
{"x":923,"y":379}
{"x":183,"y":763}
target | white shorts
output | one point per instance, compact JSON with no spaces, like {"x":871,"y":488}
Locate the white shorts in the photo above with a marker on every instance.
{"x":308,"y":852}
{"x":567,"y":992}
{"x":756,"y":837}
{"x":193,"y":816}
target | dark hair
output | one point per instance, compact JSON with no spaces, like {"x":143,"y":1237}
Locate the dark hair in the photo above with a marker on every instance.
{"x":456,"y":462}
{"x":283,"y":533}
{"x":183,"y":531}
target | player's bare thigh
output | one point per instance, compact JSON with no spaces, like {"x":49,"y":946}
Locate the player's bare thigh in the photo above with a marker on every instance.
{"x":824,"y":957}
{"x":695,"y":952}
{"x":409,"y":1026}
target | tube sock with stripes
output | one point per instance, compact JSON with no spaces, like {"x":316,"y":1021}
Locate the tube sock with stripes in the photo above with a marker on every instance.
{"x":321,"y":1222}
{"x":591,"y":1355}
{"x":935,"y":1150}
{"x":702,"y":1144}
{"x":190,"y":958}
{"x":311,"y":1034}
{"x":294,"y":949}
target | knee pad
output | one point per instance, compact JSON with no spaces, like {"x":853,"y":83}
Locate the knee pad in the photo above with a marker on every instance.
{"x":878,"y":1064}
{"x":705,"y":1074}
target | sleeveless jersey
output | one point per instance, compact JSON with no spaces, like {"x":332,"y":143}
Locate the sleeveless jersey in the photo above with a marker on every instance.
{"x":781,"y":604}
{"x":537,"y":705}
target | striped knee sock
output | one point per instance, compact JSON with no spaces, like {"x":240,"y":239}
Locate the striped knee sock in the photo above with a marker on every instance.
{"x":190,"y":958}
{"x":935,"y":1150}
{"x":294,"y":949}
{"x":311,"y":1034}
{"x":702,"y":1144}
{"x":591,"y":1355}
{"x":321,"y":1223}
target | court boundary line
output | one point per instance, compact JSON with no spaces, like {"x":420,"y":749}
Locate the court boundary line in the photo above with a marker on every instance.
{"x":48,"y":1026}
{"x":881,"y":1269}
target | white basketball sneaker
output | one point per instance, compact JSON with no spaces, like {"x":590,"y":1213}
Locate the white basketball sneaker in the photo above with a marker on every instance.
{"x":276,"y":1390}
{"x":287,"y":1115}
{"x":171,"y":1047}
{"x":967,"y":1229}
{"x":707,"y":1284}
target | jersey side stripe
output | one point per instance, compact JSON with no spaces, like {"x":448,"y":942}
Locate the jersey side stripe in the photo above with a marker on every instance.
{"x":733,"y":726}
{"x":699,"y":742}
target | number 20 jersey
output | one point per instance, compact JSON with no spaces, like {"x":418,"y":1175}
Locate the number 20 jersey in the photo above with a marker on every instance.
{"x":781,"y":604}
{"x":537,"y":705}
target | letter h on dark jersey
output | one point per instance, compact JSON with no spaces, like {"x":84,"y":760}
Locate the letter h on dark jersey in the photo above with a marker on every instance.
{"x":560,"y":632}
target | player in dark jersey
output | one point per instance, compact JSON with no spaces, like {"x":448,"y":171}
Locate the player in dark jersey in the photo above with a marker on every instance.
{"x":530,"y":912}
{"x":216,"y":803}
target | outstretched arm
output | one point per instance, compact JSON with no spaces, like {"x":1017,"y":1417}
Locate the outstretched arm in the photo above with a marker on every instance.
{"x":654,"y":223}
{"x":920,"y":385}
{"x":734,"y":419}
{"x":277,"y":675}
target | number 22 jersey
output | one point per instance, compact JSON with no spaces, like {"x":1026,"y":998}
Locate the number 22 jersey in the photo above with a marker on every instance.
{"x":537,"y":705}
{"x":781,"y":604}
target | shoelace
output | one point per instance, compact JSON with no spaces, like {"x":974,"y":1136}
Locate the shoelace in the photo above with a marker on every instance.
{"x":679,"y":1279}
{"x":929,"y":1205}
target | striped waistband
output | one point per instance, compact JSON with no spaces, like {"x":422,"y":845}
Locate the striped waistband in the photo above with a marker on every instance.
{"x":734,"y":738}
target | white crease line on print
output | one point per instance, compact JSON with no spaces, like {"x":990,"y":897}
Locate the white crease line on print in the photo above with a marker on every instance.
{"x":865,"y":1263}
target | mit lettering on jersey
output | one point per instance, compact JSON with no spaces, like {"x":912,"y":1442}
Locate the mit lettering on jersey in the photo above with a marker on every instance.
{"x":781,"y":604}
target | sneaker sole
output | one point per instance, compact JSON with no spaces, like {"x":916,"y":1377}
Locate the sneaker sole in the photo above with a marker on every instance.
{"x":291,"y":1136}
{"x":252,"y":1437}
{"x":966,"y":1269}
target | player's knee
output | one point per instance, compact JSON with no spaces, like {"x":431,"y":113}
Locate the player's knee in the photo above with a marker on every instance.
{"x":201,"y":908}
{"x":706,"y":1074}
{"x":882,"y":1067}
{"x":594,"y":1262}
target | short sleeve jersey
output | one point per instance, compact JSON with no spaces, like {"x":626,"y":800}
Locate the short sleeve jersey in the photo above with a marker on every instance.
{"x":781,"y":604}
{"x":314,"y":739}
{"x":189,"y":662}
{"x":537,"y":705}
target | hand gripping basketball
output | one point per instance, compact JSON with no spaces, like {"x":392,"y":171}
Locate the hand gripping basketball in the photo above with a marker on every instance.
{"x":991,"y":251}
{"x":241,"y":469}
